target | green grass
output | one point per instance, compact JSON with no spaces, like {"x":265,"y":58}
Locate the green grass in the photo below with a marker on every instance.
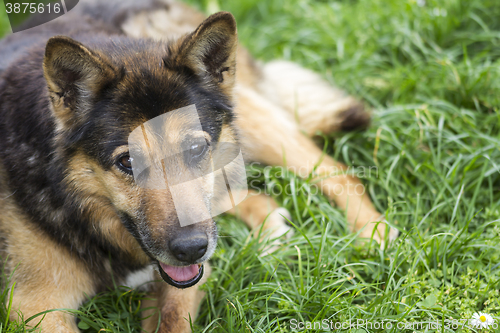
{"x":4,"y":21}
{"x":432,"y":75}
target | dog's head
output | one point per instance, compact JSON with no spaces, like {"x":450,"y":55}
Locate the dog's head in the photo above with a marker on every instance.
{"x":109,"y":88}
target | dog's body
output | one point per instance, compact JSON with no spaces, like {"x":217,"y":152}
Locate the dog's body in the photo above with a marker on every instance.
{"x":71,"y":216}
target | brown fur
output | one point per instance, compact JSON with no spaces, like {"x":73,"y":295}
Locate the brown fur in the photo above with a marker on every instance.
{"x":89,"y":181}
{"x":42,"y":266}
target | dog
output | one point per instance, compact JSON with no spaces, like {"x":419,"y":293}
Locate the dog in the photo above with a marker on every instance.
{"x":71,"y":93}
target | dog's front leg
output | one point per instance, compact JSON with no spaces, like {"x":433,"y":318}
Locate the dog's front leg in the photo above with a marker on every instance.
{"x":46,"y":276}
{"x":259,"y":208}
{"x":175,"y":306}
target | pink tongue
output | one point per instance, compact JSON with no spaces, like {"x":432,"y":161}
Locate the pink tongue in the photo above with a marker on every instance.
{"x":181,"y":274}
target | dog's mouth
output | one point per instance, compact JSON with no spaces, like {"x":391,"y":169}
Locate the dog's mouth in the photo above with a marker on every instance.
{"x":181,"y":276}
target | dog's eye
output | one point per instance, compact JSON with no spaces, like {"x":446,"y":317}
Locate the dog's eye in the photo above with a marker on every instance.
{"x":125,"y":163}
{"x":197,"y":149}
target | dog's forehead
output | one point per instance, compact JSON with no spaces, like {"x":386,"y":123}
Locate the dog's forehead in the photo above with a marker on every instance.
{"x":143,"y":95}
{"x":168,"y":131}
{"x":139,"y":103}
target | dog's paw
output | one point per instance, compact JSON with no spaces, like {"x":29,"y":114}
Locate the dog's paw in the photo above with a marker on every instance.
{"x":391,"y":237}
{"x":275,"y":230}
{"x":379,"y":234}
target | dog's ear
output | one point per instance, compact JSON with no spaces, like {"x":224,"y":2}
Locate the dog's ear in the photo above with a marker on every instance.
{"x":74,"y":74}
{"x":210,"y":51}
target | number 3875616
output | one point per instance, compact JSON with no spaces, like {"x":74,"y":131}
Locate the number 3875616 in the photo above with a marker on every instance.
{"x":28,"y":7}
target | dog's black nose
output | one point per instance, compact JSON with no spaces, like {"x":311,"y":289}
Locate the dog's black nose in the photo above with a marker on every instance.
{"x":189,"y":247}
